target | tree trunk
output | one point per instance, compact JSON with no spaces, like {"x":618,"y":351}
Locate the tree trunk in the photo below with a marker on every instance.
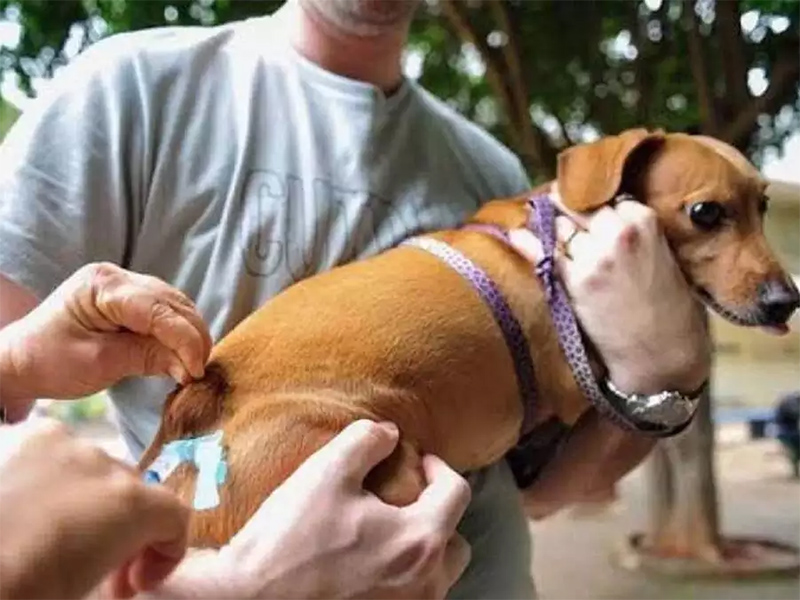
{"x":504,"y":72}
{"x":683,"y":515}
{"x":700,"y":72}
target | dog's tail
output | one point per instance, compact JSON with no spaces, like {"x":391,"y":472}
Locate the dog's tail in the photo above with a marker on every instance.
{"x":190,"y":410}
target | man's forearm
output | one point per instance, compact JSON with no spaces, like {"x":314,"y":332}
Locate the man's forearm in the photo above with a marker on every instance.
{"x":595,"y":456}
{"x":15,"y":399}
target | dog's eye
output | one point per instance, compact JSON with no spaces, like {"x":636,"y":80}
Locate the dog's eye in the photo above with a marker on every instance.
{"x":707,"y":215}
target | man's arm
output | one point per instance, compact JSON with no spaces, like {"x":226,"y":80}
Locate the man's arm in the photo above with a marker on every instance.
{"x":596,"y":455}
{"x":70,"y":179}
{"x":15,"y":303}
{"x":635,"y":305}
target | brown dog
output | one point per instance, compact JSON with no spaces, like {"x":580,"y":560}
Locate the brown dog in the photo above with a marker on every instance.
{"x":402,"y":337}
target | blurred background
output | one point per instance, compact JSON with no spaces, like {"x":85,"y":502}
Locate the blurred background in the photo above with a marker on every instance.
{"x":540,"y":76}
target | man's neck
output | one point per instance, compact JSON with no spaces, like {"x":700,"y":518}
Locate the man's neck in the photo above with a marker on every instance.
{"x":371,"y":59}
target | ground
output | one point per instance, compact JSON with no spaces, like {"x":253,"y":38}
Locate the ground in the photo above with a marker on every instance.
{"x":572,"y":551}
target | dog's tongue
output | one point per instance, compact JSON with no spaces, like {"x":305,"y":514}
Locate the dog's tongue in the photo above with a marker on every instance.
{"x":775,"y":329}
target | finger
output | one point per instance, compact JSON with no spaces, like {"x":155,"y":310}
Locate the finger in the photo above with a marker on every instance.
{"x":151,"y":568}
{"x":606,"y":223}
{"x":457,"y":555}
{"x":195,"y":318}
{"x":182,"y":305}
{"x":527,"y":244}
{"x":638,"y":216}
{"x":632,"y":211}
{"x":581,"y":244}
{"x":163,"y":522}
{"x":581,"y":219}
{"x":355,"y":451}
{"x":184,"y":334}
{"x":148,"y":306}
{"x":153,"y":318}
{"x":133,"y":354}
{"x":146,"y":517}
{"x":118,"y":583}
{"x":566,"y":231}
{"x":447,"y":496}
{"x":163,"y":290}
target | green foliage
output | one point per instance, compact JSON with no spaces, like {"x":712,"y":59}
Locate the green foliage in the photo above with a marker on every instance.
{"x":586,"y":66}
{"x":8,"y":114}
{"x":615,"y":65}
{"x":86,"y":409}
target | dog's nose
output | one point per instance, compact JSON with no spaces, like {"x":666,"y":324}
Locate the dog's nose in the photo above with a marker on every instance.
{"x":778,"y":299}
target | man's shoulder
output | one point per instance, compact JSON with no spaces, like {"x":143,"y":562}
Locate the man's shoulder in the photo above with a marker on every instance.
{"x":174,"y":50}
{"x":475,"y":146}
{"x":172,"y":43}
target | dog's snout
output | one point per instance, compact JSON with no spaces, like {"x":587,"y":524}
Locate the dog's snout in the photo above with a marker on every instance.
{"x":778,"y":299}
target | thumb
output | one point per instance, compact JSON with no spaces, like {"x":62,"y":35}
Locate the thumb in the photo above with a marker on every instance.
{"x":527,"y":244}
{"x":152,"y":567}
{"x":355,"y":451}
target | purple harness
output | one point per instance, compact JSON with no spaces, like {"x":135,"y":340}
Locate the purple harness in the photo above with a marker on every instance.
{"x":536,"y":446}
{"x":542,"y":223}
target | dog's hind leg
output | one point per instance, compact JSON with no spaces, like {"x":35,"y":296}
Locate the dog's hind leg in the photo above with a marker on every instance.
{"x":265,"y":444}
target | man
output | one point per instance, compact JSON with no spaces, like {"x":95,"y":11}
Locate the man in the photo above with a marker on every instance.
{"x":236,"y":160}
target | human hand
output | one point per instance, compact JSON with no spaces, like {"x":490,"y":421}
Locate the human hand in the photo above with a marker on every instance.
{"x":73,"y":515}
{"x":102,"y":324}
{"x":631,"y":298}
{"x":320,"y":535}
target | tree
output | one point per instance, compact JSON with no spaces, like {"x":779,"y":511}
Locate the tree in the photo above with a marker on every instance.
{"x":8,"y":115}
{"x":542,"y":76}
{"x":539,"y":75}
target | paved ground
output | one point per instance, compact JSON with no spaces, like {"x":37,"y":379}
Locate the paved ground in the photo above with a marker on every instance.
{"x":572,"y":551}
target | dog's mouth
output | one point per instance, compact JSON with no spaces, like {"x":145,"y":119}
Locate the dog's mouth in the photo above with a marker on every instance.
{"x":748,"y":318}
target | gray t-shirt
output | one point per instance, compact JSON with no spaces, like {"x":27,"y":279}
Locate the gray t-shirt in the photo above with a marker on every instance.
{"x":231,"y":167}
{"x":223,"y":162}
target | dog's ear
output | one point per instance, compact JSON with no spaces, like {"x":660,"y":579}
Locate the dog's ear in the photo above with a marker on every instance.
{"x":590,"y":175}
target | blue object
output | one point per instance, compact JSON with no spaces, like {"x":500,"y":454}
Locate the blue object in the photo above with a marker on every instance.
{"x":207,"y":455}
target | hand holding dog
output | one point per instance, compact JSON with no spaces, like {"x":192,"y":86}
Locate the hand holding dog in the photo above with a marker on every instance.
{"x":72,"y":514}
{"x":320,"y":535}
{"x":100,"y":325}
{"x":631,"y":298}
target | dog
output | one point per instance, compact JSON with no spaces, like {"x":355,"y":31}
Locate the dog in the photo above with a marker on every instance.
{"x":403,"y":337}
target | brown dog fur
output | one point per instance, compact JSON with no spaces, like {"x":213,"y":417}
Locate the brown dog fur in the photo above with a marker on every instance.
{"x":402,"y":337}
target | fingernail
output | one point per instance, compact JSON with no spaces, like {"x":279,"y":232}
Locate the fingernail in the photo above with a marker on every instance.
{"x":178,"y":373}
{"x":390,"y":427}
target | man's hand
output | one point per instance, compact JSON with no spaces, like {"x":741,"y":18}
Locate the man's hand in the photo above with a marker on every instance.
{"x":320,"y":535}
{"x":71,"y":515}
{"x":631,"y":298}
{"x":102,"y":324}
